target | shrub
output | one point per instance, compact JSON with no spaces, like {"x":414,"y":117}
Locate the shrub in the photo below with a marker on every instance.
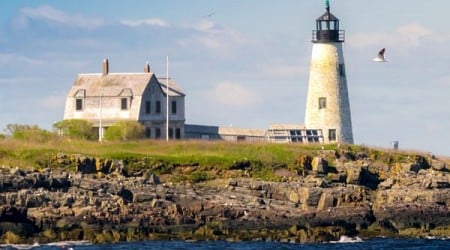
{"x":124,"y":130}
{"x":29,"y":133}
{"x":75,"y":129}
{"x":199,"y":176}
{"x":11,"y":238}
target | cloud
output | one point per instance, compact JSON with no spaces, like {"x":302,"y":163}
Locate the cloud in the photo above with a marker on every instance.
{"x":149,"y":22}
{"x":406,"y":36}
{"x":52,"y":101}
{"x":49,"y":14}
{"x":210,"y":35}
{"x":444,"y":81}
{"x":286,"y":70}
{"x":232,"y":95}
{"x":8,"y":59}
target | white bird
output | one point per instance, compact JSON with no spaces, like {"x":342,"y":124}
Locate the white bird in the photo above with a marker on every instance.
{"x":380,"y":56}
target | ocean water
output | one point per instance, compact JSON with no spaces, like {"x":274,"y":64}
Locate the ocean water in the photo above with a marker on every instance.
{"x":345,"y":244}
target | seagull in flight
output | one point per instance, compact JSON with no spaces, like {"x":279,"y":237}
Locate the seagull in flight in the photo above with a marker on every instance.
{"x":380,"y":56}
{"x":210,"y":14}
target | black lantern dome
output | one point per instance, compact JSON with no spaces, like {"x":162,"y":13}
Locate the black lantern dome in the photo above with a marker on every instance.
{"x":327,"y":28}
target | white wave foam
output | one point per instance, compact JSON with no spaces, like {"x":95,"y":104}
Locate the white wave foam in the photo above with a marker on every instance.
{"x":36,"y":244}
{"x":347,"y":239}
{"x":69,"y":243}
{"x":437,"y":238}
{"x":20,"y":246}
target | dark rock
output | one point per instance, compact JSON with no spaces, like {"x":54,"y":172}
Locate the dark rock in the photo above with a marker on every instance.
{"x":13,"y":214}
{"x":233,"y":183}
{"x":85,"y":165}
{"x":243,"y":164}
{"x":347,"y":155}
{"x":126,"y":194}
{"x":369,"y":179}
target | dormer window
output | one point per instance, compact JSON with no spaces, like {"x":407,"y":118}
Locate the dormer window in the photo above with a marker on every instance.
{"x":124,"y":103}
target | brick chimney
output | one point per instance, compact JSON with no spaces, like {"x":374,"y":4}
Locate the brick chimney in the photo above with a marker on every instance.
{"x":147,"y":67}
{"x":105,"y":66}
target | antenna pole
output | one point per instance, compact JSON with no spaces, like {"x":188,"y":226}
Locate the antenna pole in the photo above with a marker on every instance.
{"x":100,"y":125}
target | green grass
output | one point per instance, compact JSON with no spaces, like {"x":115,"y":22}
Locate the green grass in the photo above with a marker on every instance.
{"x":207,"y":158}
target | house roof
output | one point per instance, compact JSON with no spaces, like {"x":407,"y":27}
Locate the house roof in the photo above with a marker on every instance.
{"x":174,"y":89}
{"x":115,"y":84}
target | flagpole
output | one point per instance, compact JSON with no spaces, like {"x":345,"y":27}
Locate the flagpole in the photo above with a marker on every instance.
{"x":167,"y":99}
{"x":100,"y":125}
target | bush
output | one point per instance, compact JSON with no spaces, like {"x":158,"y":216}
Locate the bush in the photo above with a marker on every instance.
{"x":11,"y":238}
{"x":199,"y":176}
{"x":30,"y":133}
{"x":75,"y":129}
{"x":124,"y":130}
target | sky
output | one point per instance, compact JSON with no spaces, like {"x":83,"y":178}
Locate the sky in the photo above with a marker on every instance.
{"x":241,"y":63}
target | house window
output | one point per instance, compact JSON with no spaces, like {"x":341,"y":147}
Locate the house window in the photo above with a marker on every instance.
{"x":148,"y":132}
{"x":157,"y":133}
{"x":178,"y":133}
{"x":158,"y":107}
{"x":332,"y":135}
{"x":147,"y":107}
{"x":123,"y":103}
{"x":174,"y":107}
{"x":170,"y":132}
{"x":79,"y":104}
{"x":322,"y":102}
{"x":240,"y":138}
{"x":341,"y":69}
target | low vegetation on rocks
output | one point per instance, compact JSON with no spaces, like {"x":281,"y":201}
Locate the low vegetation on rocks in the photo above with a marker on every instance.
{"x":70,"y":189}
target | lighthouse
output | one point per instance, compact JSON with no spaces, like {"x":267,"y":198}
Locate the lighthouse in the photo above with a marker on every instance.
{"x":327,"y":103}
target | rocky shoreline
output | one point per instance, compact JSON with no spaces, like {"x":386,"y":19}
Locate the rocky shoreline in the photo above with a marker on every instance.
{"x":102,"y":200}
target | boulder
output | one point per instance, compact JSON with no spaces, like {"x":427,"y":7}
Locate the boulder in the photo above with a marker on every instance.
{"x":327,"y":200}
{"x":310,"y":197}
{"x":319,"y":165}
{"x":438,"y":165}
{"x":353,"y":175}
{"x":150,"y":178}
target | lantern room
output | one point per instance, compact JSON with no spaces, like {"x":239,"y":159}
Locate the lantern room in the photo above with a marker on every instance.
{"x":327,"y":28}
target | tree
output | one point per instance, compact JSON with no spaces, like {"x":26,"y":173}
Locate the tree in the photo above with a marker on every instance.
{"x":124,"y":130}
{"x":75,"y":129}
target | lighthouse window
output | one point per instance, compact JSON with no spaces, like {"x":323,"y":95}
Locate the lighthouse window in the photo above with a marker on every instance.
{"x":341,"y":69}
{"x":332,"y":135}
{"x":322,"y":102}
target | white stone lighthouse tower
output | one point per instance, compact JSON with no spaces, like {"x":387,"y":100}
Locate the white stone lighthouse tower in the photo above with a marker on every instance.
{"x":327,"y":104}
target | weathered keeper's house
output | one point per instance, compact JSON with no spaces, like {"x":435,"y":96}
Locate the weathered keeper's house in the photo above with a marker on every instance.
{"x":106,"y":98}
